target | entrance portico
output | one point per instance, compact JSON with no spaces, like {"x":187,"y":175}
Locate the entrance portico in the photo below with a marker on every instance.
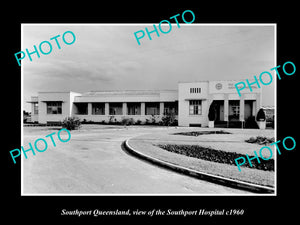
{"x":229,"y":106}
{"x":235,"y":109}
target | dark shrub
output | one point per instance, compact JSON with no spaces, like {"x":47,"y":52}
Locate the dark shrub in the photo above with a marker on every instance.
{"x":113,"y":121}
{"x":212,"y":112}
{"x":175,"y":123}
{"x":127,"y":121}
{"x":168,"y":119}
{"x":261,"y":140}
{"x":153,"y":119}
{"x":251,"y":123}
{"x":261,"y":116}
{"x":71,"y":123}
{"x":131,"y":121}
{"x":197,"y":133}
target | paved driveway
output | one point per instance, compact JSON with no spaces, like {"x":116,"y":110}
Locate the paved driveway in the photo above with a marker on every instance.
{"x":93,"y":162}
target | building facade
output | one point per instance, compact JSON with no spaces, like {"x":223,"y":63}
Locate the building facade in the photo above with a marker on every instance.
{"x":190,"y":104}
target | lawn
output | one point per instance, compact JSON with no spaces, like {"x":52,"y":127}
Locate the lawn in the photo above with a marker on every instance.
{"x":211,"y":152}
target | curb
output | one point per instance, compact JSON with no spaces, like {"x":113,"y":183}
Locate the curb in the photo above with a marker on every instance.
{"x":201,"y":175}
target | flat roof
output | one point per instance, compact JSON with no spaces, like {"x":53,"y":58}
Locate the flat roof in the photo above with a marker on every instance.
{"x":59,"y":92}
{"x":127,"y":92}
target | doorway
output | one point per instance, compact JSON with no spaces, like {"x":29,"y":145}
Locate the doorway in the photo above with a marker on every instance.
{"x":248,"y":109}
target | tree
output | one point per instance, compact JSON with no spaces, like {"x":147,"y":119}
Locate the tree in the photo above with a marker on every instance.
{"x":25,"y":113}
{"x":212,"y":112}
{"x":261,"y":116}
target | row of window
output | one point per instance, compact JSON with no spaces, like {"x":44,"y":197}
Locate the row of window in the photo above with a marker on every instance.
{"x":195,"y":90}
{"x":114,"y":108}
{"x":132,"y":109}
{"x":195,"y":108}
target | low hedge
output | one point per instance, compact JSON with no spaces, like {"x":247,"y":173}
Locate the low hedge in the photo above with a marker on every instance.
{"x":218,"y":156}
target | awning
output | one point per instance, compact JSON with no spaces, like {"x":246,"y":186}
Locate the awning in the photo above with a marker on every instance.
{"x":32,"y":101}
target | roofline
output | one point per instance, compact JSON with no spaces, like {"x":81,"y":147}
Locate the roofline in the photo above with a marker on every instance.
{"x":59,"y":92}
{"x":129,"y":90}
{"x":195,"y":81}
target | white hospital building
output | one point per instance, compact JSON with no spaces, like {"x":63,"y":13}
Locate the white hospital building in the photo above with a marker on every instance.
{"x":190,"y":103}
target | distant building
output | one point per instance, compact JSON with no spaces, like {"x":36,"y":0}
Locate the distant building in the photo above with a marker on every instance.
{"x":190,"y":103}
{"x":269,"y":111}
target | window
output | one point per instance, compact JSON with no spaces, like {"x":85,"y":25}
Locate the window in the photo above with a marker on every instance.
{"x":171,"y":108}
{"x":54,"y":107}
{"x":195,"y":90}
{"x":35,"y":108}
{"x":115,"y":108}
{"x":134,"y":108}
{"x":195,"y":107}
{"x":152,"y":108}
{"x":81,"y":108}
{"x":234,"y":109}
{"x":98,"y":108}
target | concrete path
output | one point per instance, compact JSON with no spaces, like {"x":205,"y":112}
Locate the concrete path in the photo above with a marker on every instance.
{"x":93,"y":162}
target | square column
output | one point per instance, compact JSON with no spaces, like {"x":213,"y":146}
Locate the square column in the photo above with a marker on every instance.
{"x":124,"y":108}
{"x":258,"y":103}
{"x":226,"y":108}
{"x":89,"y":108}
{"x":161,"y":108}
{"x":106,"y":110}
{"x":242,"y":108}
{"x":143,"y":109}
{"x":254,"y":108}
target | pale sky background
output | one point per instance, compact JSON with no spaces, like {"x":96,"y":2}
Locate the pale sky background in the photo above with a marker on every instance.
{"x":107,"y":57}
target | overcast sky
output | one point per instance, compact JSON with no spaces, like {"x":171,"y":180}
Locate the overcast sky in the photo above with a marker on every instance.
{"x":107,"y":57}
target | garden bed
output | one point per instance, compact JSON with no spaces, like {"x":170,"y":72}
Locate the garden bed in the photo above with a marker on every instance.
{"x":197,"y":133}
{"x":213,"y":155}
{"x":261,"y":140}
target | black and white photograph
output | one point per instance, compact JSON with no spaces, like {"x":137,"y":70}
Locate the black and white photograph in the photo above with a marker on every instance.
{"x":164,"y":112}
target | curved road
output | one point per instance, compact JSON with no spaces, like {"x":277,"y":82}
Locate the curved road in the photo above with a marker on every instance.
{"x":93,"y":162}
